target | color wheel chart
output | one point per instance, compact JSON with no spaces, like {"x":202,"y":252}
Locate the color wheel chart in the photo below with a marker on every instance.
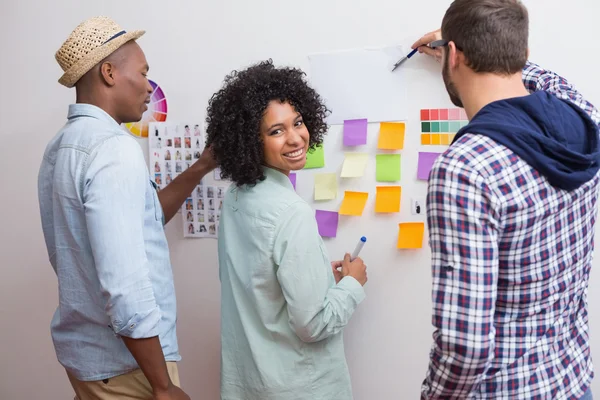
{"x":156,"y":112}
{"x":438,"y":126}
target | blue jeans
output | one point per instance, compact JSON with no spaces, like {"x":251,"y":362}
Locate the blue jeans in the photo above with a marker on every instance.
{"x":588,"y":395}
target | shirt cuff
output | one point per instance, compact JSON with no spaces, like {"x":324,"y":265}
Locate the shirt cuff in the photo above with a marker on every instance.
{"x":351,"y":285}
{"x":141,"y":325}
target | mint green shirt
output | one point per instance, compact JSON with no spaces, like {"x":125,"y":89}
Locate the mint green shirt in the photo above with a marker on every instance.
{"x":282,"y":314}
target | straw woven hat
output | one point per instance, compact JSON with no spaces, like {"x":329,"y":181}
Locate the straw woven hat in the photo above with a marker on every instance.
{"x":91,"y":42}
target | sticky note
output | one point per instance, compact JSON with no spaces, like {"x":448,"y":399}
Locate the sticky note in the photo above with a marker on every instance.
{"x":391,"y":135}
{"x":315,"y":158}
{"x":325,"y":186}
{"x":354,"y":203}
{"x":410,"y":235}
{"x":355,"y":132}
{"x":293,"y":179}
{"x":327,"y":221}
{"x":388,"y":167}
{"x":354,"y":165}
{"x":388,"y":199}
{"x":424,"y":165}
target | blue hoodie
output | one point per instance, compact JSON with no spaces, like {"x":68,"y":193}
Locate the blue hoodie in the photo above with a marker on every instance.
{"x":555,"y":137}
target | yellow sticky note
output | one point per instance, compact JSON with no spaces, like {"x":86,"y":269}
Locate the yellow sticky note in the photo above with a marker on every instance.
{"x":354,"y":203}
{"x":354,"y":165}
{"x":388,"y":199}
{"x":410,"y":235}
{"x":325,"y":186}
{"x":391,"y":135}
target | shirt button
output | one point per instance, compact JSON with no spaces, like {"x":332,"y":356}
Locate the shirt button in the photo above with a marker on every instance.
{"x":132,"y":326}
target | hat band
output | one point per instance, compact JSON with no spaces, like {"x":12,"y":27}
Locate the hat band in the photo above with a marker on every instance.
{"x":115,"y":36}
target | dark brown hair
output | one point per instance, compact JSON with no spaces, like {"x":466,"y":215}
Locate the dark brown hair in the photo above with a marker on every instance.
{"x":492,"y":34}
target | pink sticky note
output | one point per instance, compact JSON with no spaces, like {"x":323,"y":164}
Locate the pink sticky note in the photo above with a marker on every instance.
{"x":293,"y":179}
{"x":425,"y":164}
{"x":355,"y":132}
{"x":327,"y":222}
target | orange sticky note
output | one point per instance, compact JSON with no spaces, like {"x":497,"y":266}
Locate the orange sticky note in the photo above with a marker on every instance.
{"x":391,"y":135}
{"x":410,"y":235}
{"x":354,"y":203}
{"x":388,"y":199}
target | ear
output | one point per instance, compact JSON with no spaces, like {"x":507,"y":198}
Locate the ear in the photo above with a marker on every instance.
{"x":453,"y":56}
{"x":107,"y":71}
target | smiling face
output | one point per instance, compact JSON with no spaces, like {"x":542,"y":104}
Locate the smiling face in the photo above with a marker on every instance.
{"x":285,"y":137}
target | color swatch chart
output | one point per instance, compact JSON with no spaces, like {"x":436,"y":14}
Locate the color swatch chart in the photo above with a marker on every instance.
{"x":438,"y":126}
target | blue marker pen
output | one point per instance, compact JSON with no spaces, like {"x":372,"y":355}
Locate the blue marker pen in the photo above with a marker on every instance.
{"x":358,"y":248}
{"x":412,"y":53}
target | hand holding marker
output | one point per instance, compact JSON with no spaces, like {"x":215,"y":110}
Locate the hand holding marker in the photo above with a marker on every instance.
{"x":354,"y":266}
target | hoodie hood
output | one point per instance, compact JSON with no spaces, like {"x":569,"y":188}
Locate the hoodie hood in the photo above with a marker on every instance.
{"x":557,"y":138}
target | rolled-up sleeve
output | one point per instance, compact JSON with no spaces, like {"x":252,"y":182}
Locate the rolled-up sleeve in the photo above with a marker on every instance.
{"x":114,"y":192}
{"x":317,"y":307}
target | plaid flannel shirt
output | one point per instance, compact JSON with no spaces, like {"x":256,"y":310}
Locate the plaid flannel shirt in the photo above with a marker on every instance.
{"x":511,"y":258}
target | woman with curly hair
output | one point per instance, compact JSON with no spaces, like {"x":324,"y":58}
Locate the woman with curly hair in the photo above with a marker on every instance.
{"x":283,"y":303}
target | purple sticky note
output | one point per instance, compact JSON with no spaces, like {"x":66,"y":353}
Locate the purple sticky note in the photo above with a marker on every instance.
{"x":327,"y":222}
{"x":293,"y":179}
{"x":426,"y":161}
{"x":355,"y":132}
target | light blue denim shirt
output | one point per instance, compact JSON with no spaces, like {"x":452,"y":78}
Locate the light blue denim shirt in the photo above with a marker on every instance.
{"x":282,"y":314}
{"x":103,"y":226}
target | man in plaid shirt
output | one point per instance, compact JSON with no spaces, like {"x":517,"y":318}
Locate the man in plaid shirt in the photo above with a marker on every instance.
{"x":511,"y":209}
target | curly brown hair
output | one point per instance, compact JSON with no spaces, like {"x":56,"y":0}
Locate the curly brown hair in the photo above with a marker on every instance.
{"x":235,"y":112}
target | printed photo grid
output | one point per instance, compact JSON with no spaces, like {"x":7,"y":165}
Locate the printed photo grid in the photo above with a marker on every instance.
{"x":173,"y":148}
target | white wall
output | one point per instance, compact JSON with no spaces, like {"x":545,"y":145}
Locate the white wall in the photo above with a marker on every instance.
{"x":191,"y":46}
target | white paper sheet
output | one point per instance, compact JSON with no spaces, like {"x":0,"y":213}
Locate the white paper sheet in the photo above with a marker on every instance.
{"x":360,"y":84}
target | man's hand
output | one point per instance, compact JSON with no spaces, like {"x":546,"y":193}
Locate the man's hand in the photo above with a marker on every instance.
{"x":207,"y":160}
{"x":172,"y":393}
{"x":422,"y":45}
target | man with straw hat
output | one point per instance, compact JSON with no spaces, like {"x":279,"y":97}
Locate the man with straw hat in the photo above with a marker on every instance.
{"x":102,"y":217}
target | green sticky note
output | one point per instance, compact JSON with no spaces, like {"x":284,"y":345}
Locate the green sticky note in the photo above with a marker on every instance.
{"x":388,"y":167}
{"x":435,"y":127}
{"x":315,"y":158}
{"x":444,"y":127}
{"x":425,"y":127}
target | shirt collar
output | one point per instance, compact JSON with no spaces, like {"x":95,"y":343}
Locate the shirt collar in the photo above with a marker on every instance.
{"x":89,"y":110}
{"x":278,"y":177}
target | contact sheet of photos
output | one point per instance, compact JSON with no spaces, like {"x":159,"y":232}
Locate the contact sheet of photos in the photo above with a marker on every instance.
{"x":173,"y":148}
